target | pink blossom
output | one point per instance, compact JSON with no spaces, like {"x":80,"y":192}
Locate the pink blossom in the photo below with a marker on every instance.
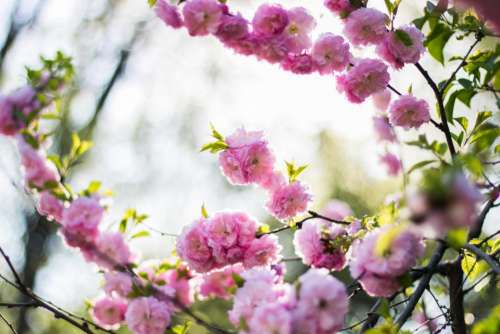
{"x":259,"y":288}
{"x":367,"y":77}
{"x":110,"y":251}
{"x":273,"y":49}
{"x":192,"y":246}
{"x":117,"y":282}
{"x":219,"y":283}
{"x":322,"y":304}
{"x":382,"y":256}
{"x":383,"y":129}
{"x":487,"y":10}
{"x":262,"y":251}
{"x":50,"y":206}
{"x":312,"y":244}
{"x":402,"y":46}
{"x":271,"y":318}
{"x":148,"y":315}
{"x":109,"y":312}
{"x":232,"y":28}
{"x":409,"y":112}
{"x":223,"y":228}
{"x":81,"y":222}
{"x":392,"y":163}
{"x":270,"y":20}
{"x":340,"y":7}
{"x":382,"y":99}
{"x":272,"y":181}
{"x":300,"y":25}
{"x":178,"y":280}
{"x":330,"y":53}
{"x":20,"y":101}
{"x":289,"y":200}
{"x":337,"y":210}
{"x":365,"y":26}
{"x":202,"y":17}
{"x":168,"y":14}
{"x":37,"y":169}
{"x":248,"y":45}
{"x":248,"y":158}
{"x":298,"y":63}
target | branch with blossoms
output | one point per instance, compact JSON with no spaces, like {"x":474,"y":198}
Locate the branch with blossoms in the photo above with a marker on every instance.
{"x":229,"y":255}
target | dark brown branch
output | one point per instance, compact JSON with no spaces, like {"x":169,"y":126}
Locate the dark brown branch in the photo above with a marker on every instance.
{"x":462,"y":63}
{"x":422,"y":285}
{"x":8,"y":324}
{"x":478,"y":226}
{"x":313,"y":215}
{"x":455,"y":279}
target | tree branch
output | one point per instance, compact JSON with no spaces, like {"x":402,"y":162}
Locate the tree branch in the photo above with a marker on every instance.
{"x":493,"y":263}
{"x":8,"y":324}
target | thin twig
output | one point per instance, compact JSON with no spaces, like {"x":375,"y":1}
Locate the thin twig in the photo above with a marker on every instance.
{"x":8,"y":324}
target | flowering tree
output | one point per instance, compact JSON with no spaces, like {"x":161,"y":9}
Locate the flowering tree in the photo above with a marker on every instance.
{"x":403,"y":251}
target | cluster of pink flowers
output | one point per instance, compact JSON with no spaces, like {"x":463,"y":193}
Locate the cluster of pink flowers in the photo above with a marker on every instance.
{"x":14,"y":107}
{"x":402,"y":46}
{"x":383,"y":256}
{"x":37,"y":169}
{"x":409,"y":112}
{"x":264,"y":304}
{"x":322,"y":244}
{"x":248,"y":160}
{"x":453,"y":206}
{"x":220,"y":283}
{"x":224,"y":239}
{"x":275,"y":34}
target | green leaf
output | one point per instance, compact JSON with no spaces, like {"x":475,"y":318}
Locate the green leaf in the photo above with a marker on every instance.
{"x":293,"y":171}
{"x":216,"y":134}
{"x":151,"y":3}
{"x":389,"y":5}
{"x":466,"y":95}
{"x":481,"y":118}
{"x":123,"y":225}
{"x":403,"y":37}
{"x":181,"y":329}
{"x":457,"y":238}
{"x":472,"y":163}
{"x":489,"y":325}
{"x":463,"y":121}
{"x":140,"y":234}
{"x":436,"y":41}
{"x":214,"y":147}
{"x":419,"y":165}
{"x":238,"y":280}
{"x":204,"y":212}
{"x":94,"y":187}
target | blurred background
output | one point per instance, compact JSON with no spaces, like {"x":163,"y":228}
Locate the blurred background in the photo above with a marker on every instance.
{"x":145,"y":94}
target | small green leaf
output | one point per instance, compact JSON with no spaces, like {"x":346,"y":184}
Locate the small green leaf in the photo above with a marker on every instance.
{"x":463,"y":121}
{"x":457,"y":238}
{"x":204,"y":212}
{"x":151,"y":3}
{"x":403,"y":37}
{"x":140,"y":234}
{"x":436,"y":41}
{"x":389,"y":5}
{"x":123,"y":225}
{"x":238,"y":280}
{"x":419,"y":165}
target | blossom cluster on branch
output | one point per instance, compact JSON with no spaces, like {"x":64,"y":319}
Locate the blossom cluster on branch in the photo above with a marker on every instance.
{"x":229,"y":254}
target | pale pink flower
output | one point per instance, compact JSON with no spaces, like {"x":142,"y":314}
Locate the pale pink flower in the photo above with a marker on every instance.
{"x":37,"y":169}
{"x":300,"y":25}
{"x":272,"y":181}
{"x":148,"y":315}
{"x":337,"y":210}
{"x":409,"y":112}
{"x":367,"y":77}
{"x":81,"y":222}
{"x":322,"y":303}
{"x":50,"y":206}
{"x":109,"y":312}
{"x":402,"y":46}
{"x":202,"y":17}
{"x":259,"y":288}
{"x":117,"y":283}
{"x":271,"y":318}
{"x":17,"y":105}
{"x":110,"y":251}
{"x":262,"y":251}
{"x":168,"y":14}
{"x":312,"y":244}
{"x":232,"y":28}
{"x":178,"y":280}
{"x":382,"y":256}
{"x":248,"y":158}
{"x":488,"y":10}
{"x":382,"y":99}
{"x":289,"y":200}
{"x":298,"y":63}
{"x":220,"y":283}
{"x":392,"y":163}
{"x":273,"y":49}
{"x":330,"y":53}
{"x":340,"y":7}
{"x":383,"y":129}
{"x":192,"y":247}
{"x":224,"y":227}
{"x":365,"y":26}
{"x":270,"y":20}
{"x":9,"y":125}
